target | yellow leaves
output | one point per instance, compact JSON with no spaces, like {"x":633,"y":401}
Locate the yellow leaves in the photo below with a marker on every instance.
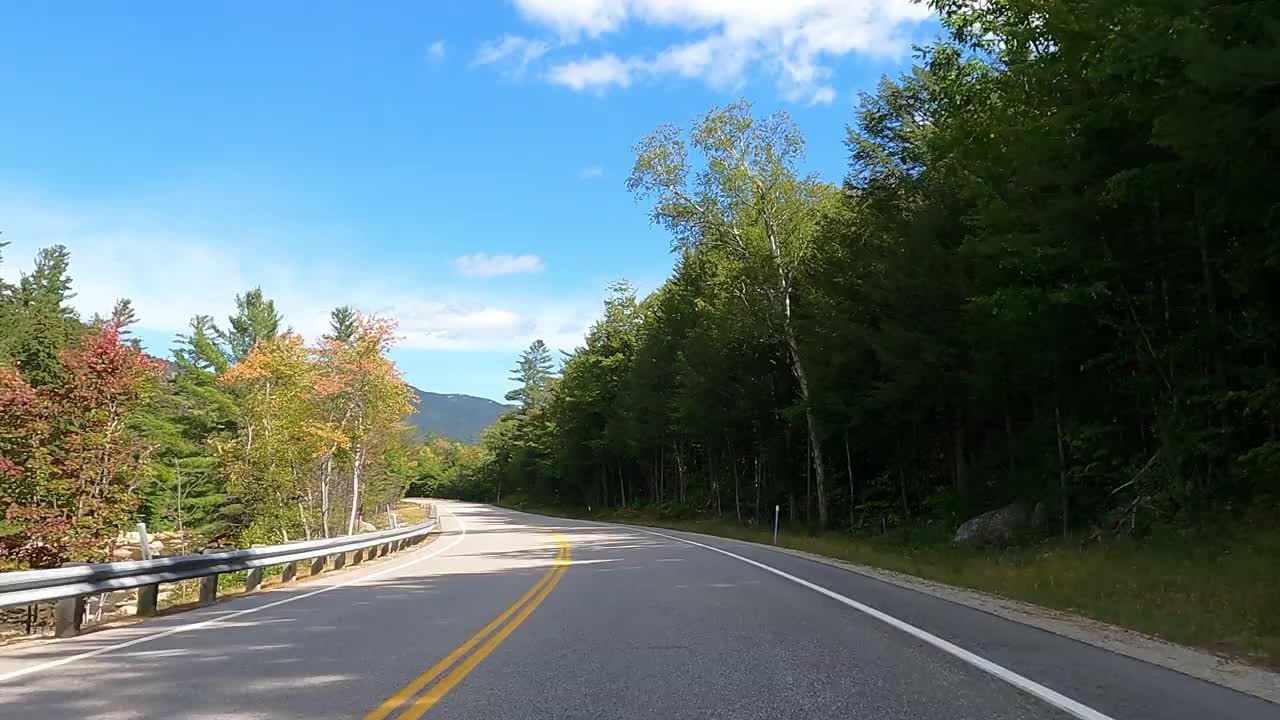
{"x":307,"y":409}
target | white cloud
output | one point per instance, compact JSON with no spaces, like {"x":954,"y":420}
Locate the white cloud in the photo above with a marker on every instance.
{"x":436,"y":52}
{"x":591,"y":172}
{"x":823,"y":96}
{"x":148,"y":250}
{"x":596,"y":74}
{"x":485,"y":265}
{"x":794,"y":41}
{"x":513,"y":52}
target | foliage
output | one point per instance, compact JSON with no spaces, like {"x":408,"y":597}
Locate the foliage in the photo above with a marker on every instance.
{"x":1049,"y":276}
{"x":247,"y":436}
{"x":69,"y":465}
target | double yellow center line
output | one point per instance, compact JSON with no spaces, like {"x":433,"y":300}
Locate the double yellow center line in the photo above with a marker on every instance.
{"x":489,"y":637}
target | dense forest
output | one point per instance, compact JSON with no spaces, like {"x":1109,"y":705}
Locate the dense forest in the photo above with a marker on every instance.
{"x":246,"y":435}
{"x":1048,"y":278}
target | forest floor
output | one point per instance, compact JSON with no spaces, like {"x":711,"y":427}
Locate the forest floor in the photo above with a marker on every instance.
{"x":1215,"y":591}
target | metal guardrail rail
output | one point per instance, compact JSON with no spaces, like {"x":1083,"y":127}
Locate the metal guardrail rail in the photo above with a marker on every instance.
{"x":70,"y":584}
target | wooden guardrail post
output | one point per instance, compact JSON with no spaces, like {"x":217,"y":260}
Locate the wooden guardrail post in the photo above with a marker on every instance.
{"x":290,"y":572}
{"x":339,"y":560}
{"x":148,"y":600}
{"x":68,"y":613}
{"x":357,"y":556}
{"x":317,"y":565}
{"x":208,"y":585}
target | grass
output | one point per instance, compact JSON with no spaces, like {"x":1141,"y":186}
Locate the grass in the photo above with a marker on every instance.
{"x":407,"y":513}
{"x":1202,"y":589}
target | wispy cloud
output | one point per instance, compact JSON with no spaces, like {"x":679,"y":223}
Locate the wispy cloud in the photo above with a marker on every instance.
{"x":512,"y":52}
{"x":591,"y":172}
{"x":149,"y":252}
{"x":485,"y":265}
{"x":723,"y":42}
{"x":436,"y":52}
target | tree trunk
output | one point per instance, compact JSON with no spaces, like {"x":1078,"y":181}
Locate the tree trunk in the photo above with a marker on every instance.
{"x":759,"y":459}
{"x":680,"y":471}
{"x":958,"y":434}
{"x":808,"y":486}
{"x":1062,"y":465}
{"x":1210,"y":295}
{"x":622,"y":487}
{"x":848,"y":460}
{"x":325,"y":479}
{"x":711,"y":475}
{"x":902,"y":479}
{"x":811,"y":423}
{"x":737,"y":494}
{"x":357,"y":467}
{"x":662,"y":471}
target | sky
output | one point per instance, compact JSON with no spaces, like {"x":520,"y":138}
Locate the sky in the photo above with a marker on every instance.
{"x":460,"y":167}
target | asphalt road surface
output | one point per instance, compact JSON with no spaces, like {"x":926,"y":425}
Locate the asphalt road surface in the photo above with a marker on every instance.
{"x":509,"y":615}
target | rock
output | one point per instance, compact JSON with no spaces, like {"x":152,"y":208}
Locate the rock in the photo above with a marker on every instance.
{"x":1040,"y":516}
{"x":121,"y":554}
{"x":995,"y":526}
{"x":367,"y":526}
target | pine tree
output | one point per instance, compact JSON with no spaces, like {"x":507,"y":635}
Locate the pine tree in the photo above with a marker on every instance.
{"x":342,"y":323}
{"x":533,"y":372}
{"x":255,"y":320}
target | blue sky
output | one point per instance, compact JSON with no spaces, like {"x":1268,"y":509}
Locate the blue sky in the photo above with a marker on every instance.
{"x":459,"y":166}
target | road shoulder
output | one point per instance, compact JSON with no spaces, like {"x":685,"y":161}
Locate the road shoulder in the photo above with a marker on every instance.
{"x":1216,"y":669}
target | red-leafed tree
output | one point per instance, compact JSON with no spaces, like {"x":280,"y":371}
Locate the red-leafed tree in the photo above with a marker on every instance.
{"x":69,"y":459}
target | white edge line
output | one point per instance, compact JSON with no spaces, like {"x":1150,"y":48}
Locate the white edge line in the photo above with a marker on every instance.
{"x":239,"y":613}
{"x":1056,"y":699}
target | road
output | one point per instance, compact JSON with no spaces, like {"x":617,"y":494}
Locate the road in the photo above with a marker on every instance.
{"x":615,"y":622}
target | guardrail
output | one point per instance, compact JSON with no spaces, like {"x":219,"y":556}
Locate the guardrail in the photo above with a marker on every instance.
{"x":71,"y":583}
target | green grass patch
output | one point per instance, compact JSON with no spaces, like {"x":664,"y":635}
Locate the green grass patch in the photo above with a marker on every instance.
{"x":1209,"y":590}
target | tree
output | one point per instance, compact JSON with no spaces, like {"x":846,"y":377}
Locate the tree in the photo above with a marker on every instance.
{"x":750,"y":209}
{"x":42,"y":323}
{"x":70,"y":461}
{"x":342,"y":323}
{"x":533,"y":372}
{"x":255,"y":320}
{"x":269,"y":464}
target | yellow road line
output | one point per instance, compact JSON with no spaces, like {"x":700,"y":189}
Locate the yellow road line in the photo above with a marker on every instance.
{"x":408,"y":691}
{"x":435,"y":694}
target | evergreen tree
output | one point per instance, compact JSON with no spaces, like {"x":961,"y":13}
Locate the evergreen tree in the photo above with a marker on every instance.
{"x":533,"y":372}
{"x":342,"y":323}
{"x":255,"y":320}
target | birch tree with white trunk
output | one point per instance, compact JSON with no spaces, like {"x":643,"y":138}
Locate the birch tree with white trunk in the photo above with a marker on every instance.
{"x":743,"y":201}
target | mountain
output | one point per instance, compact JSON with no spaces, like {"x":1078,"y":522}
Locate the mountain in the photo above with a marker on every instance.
{"x":457,"y":417}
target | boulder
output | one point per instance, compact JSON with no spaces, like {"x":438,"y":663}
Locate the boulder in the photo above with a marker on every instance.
{"x":366,"y":526}
{"x":995,"y":526}
{"x":1040,"y":516}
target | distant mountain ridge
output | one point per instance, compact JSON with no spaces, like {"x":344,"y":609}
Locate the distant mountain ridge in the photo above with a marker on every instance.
{"x":454,"y":416}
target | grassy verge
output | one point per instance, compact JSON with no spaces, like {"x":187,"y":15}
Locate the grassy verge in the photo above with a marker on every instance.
{"x":411,"y":513}
{"x":1211,"y":591}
